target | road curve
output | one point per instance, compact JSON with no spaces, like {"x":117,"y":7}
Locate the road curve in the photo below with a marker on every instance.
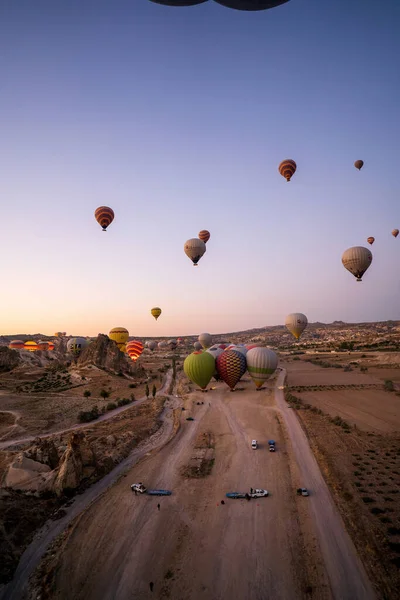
{"x":346,"y":573}
{"x":30,"y":559}
{"x":108,"y":415}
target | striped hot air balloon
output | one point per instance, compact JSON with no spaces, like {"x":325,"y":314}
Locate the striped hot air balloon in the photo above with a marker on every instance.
{"x":231,"y":365}
{"x":16,"y":345}
{"x":43,"y":345}
{"x":261,"y":364}
{"x":134,"y":349}
{"x":204,"y":235}
{"x":31,"y":346}
{"x":104,"y":215}
{"x":156,"y":312}
{"x":120,"y":336}
{"x":152,"y":345}
{"x":357,"y":260}
{"x":51,"y":346}
{"x":287,"y":168}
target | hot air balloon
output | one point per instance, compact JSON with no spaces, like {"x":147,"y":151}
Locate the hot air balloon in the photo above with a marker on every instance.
{"x":231,"y":365}
{"x":134,"y":349}
{"x":287,"y":169}
{"x":30,"y":345}
{"x":42,"y":345}
{"x":194,"y":249}
{"x":359,"y":164}
{"x":162,"y":345}
{"x":395,"y":232}
{"x":205,"y":340}
{"x":197,"y":346}
{"x":215,"y":350}
{"x":370,"y":240}
{"x":251,"y":346}
{"x":178,"y":2}
{"x":156,"y":312}
{"x":76,"y":345}
{"x":51,"y":346}
{"x":172,"y":344}
{"x":251,"y":4}
{"x":199,"y":367}
{"x":296,"y":324}
{"x":104,"y":215}
{"x":152,"y":345}
{"x":204,"y":235}
{"x":16,"y":345}
{"x":120,"y":336}
{"x":261,"y":363}
{"x":357,"y":260}
{"x":58,"y":334}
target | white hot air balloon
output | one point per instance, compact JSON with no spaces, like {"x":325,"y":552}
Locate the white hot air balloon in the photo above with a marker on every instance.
{"x":197,"y":346}
{"x":152,"y":345}
{"x":261,"y":364}
{"x":205,"y":340}
{"x":296,"y":324}
{"x":357,"y":260}
{"x":194,"y":249}
{"x":215,"y":350}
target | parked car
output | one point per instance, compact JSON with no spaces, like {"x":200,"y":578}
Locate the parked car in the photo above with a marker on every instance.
{"x":189,"y":419}
{"x":302,"y":492}
{"x":254,"y":444}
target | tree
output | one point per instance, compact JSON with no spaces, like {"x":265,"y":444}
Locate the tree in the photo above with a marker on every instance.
{"x":87,"y":393}
{"x":174,"y":367}
{"x":154,"y":391}
{"x":104,"y":394}
{"x":147,"y":390}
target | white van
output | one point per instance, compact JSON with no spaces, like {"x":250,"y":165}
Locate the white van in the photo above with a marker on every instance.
{"x":254,"y":444}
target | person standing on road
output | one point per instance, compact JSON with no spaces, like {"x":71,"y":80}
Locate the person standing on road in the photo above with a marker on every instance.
{"x":158,"y":506}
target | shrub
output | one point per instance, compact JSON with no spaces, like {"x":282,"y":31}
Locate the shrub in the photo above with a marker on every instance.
{"x":388,"y":385}
{"x":111,"y":406}
{"x":89,"y":415}
{"x":154,"y":391}
{"x":377,"y":511}
{"x":104,"y":394}
{"x":87,"y":393}
{"x":132,"y":397}
{"x":147,"y":390}
{"x":385,"y":519}
{"x":367,"y":499}
{"x":393,"y":531}
{"x":123,"y":401}
{"x":132,"y":385}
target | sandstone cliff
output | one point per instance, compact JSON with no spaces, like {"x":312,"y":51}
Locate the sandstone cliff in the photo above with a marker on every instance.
{"x":104,"y":354}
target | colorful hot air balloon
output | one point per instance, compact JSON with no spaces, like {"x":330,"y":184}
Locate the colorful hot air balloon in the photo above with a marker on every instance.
{"x":30,"y":345}
{"x":134,"y":349}
{"x":104,"y":215}
{"x":197,"y":346}
{"x":199,"y":367}
{"x":162,"y":345}
{"x":120,"y":336}
{"x":261,"y":363}
{"x":251,"y":4}
{"x":205,"y":340}
{"x":51,"y":346}
{"x":76,"y":345}
{"x":16,"y":345}
{"x":357,"y":260}
{"x":296,"y":324}
{"x":359,"y":164}
{"x":43,"y":345}
{"x":194,"y":249}
{"x":172,"y":344}
{"x":370,"y":240}
{"x":231,"y":365}
{"x":156,"y":312}
{"x":204,"y":235}
{"x":152,"y":345}
{"x":395,"y":232}
{"x":287,"y":169}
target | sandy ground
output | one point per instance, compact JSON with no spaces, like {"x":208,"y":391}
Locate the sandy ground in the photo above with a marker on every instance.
{"x":370,"y":410}
{"x":195,"y":547}
{"x":305,"y":373}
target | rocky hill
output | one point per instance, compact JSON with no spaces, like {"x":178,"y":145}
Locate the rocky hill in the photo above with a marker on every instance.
{"x":104,"y":354}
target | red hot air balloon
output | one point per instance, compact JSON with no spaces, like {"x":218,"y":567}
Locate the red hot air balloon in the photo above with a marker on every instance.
{"x":16,"y":345}
{"x":51,"y":346}
{"x":287,"y":168}
{"x":231,"y":366}
{"x":134,"y":349}
{"x":204,"y":235}
{"x":104,"y":215}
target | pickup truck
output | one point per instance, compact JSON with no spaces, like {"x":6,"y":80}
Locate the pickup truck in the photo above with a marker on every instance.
{"x":254,"y":493}
{"x":141,"y":489}
{"x":303,"y":492}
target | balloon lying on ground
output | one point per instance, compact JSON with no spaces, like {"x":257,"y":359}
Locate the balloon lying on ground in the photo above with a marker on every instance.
{"x":261,"y":364}
{"x":76,"y":345}
{"x":134,"y":349}
{"x":287,"y":168}
{"x":104,"y":215}
{"x":194,"y":249}
{"x":199,"y":367}
{"x":30,"y":345}
{"x":357,"y":260}
{"x":120,"y":336}
{"x":42,"y":345}
{"x":231,"y":366}
{"x":51,"y":346}
{"x":156,"y":312}
{"x":205,"y":340}
{"x":296,"y":324}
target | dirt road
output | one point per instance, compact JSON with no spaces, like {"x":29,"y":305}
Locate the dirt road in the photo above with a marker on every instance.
{"x":108,"y":415}
{"x":346,"y":573}
{"x":194,"y":546}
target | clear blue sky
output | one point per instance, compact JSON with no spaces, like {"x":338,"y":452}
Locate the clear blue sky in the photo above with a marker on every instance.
{"x":178,"y":120}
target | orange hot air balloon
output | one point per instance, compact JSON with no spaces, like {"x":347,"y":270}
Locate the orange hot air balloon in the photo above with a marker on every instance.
{"x":287,"y":168}
{"x":134,"y":349}
{"x":42,"y":345}
{"x":104,"y":215}
{"x":51,"y":346}
{"x":370,"y":240}
{"x":359,"y":164}
{"x":31,"y":346}
{"x":204,"y":235}
{"x":395,"y":232}
{"x":16,"y":345}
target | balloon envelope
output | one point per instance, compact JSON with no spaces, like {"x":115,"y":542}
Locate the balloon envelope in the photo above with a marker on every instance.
{"x":104,"y":215}
{"x":134,"y":349}
{"x":296,"y":324}
{"x":287,"y":168}
{"x":156,"y":312}
{"x":120,"y":336}
{"x":357,"y":260}
{"x":205,"y":340}
{"x":197,"y":346}
{"x":16,"y":345}
{"x":370,"y":240}
{"x":231,"y":365}
{"x":395,"y":232}
{"x":30,"y":345}
{"x":261,"y":364}
{"x":42,"y":345}
{"x":194,"y":249}
{"x":204,"y":235}
{"x":76,"y":345}
{"x":199,"y":367}
{"x":359,"y":164}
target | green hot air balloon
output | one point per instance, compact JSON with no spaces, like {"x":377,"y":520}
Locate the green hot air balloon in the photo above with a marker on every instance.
{"x":199,"y":367}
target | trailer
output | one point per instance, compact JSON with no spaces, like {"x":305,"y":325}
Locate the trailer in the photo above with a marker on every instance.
{"x":158,"y":493}
{"x":139,"y":488}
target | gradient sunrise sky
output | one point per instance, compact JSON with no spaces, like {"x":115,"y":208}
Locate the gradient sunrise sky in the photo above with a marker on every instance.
{"x":178,"y":120}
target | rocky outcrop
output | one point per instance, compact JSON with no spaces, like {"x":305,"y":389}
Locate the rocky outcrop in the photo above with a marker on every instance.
{"x":76,"y":464}
{"x":9,"y":359}
{"x":28,"y":475}
{"x":45,"y":452}
{"x":104,"y":354}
